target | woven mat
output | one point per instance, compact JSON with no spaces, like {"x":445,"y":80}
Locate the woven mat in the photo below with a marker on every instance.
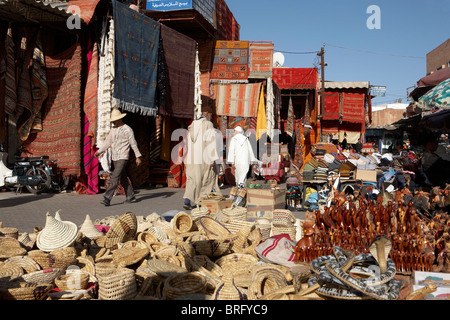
{"x":230,"y":61}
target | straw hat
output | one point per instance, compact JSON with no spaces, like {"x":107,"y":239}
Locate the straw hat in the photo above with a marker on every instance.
{"x":124,"y":228}
{"x":56,"y":234}
{"x":88,"y":228}
{"x":116,"y":115}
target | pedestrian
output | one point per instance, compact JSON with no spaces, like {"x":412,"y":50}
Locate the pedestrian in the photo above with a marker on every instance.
{"x":240,"y":155}
{"x":201,"y":159}
{"x":344,"y":142}
{"x":120,"y":139}
{"x":358,"y":146}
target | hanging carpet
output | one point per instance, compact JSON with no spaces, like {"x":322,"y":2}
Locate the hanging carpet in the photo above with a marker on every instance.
{"x":238,"y":100}
{"x":136,"y":60}
{"x":230,"y":62}
{"x":179,"y":54}
{"x":61,"y":121}
{"x":84,"y":8}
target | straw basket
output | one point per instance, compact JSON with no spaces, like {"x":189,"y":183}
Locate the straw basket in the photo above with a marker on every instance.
{"x":73,"y":280}
{"x":184,"y":283}
{"x":265,"y":279}
{"x":10,"y":247}
{"x":206,"y":263}
{"x":59,"y":258}
{"x":164,"y":268}
{"x":182,"y":222}
{"x":282,"y":217}
{"x":227,"y":290}
{"x":265,"y":226}
{"x":147,"y":237}
{"x":213,"y":228}
{"x":9,"y":232}
{"x":26,"y":240}
{"x":234,"y":225}
{"x":237,"y":262}
{"x":235,"y":213}
{"x":105,"y":267}
{"x":282,"y":229}
{"x":43,"y":276}
{"x":211,"y":248}
{"x":11,"y":270}
{"x":118,"y":285}
{"x":26,"y":291}
{"x":129,"y":255}
{"x":124,"y":228}
{"x":86,"y":264}
{"x":199,"y":212}
{"x":28,"y":264}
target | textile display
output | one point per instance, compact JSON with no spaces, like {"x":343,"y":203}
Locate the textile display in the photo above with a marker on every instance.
{"x":90,"y":93}
{"x":155,"y":141}
{"x":10,"y":75}
{"x":179,"y":53}
{"x":299,"y":144}
{"x":90,"y":163}
{"x":136,"y":59}
{"x":261,"y":120}
{"x":39,"y":92}
{"x":61,"y":135}
{"x":230,"y":62}
{"x":353,"y":107}
{"x":290,"y":119}
{"x":270,"y":109}
{"x":24,"y":112}
{"x":84,"y":8}
{"x":239,"y":100}
{"x":261,"y":59}
{"x":332,"y":106}
{"x":296,"y":78}
{"x":198,"y":88}
{"x":105,"y":99}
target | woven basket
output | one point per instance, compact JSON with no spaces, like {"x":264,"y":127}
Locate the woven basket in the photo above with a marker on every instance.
{"x":237,"y":262}
{"x":184,"y":283}
{"x":227,"y":290}
{"x":235,"y":213}
{"x":209,"y":265}
{"x":164,"y":268}
{"x":10,"y":247}
{"x":211,"y":248}
{"x":213,"y":228}
{"x":27,"y":240}
{"x":26,"y":291}
{"x":105,"y":267}
{"x":265,"y":226}
{"x":11,"y":270}
{"x":199,"y":212}
{"x":147,"y":237}
{"x":28,"y":264}
{"x":234,"y":225}
{"x":43,"y":276}
{"x":182,"y":222}
{"x":127,"y":256}
{"x":283,"y":217}
{"x":119,"y":285}
{"x":87,"y":264}
{"x":59,"y":258}
{"x":73,"y":280}
{"x":158,"y":233}
{"x":265,"y":279}
{"x":281,"y":229}
{"x":9,"y":232}
{"x":165,"y":251}
{"x":124,"y":228}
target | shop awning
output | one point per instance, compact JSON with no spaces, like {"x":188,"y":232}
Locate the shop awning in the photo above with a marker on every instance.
{"x":428,"y":82}
{"x":438,"y":97}
{"x":438,"y":120}
{"x":33,"y":11}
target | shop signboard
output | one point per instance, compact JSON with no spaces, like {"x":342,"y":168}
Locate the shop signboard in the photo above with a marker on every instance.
{"x":168,"y":5}
{"x":378,"y":91}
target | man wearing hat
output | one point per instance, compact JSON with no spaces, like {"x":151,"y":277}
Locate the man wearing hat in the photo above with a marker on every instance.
{"x":240,"y":155}
{"x":120,"y":139}
{"x":201,"y":174}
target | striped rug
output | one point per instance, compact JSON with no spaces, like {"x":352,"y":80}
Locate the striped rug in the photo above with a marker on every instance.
{"x":238,"y":100}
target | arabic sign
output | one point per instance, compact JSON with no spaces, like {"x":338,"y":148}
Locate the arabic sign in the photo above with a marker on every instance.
{"x":167,"y":5}
{"x":378,"y":91}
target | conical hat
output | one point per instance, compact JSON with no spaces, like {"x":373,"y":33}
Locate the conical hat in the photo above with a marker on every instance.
{"x":58,"y":216}
{"x":56,"y":234}
{"x":88,"y":228}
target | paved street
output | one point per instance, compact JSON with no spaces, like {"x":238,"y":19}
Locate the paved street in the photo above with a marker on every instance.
{"x":26,"y":211}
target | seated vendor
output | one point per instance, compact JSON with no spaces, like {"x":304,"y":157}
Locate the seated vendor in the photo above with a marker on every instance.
{"x":435,"y":168}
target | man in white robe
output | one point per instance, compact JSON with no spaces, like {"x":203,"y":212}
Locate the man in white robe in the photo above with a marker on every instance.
{"x":201,"y":174}
{"x":240,"y":155}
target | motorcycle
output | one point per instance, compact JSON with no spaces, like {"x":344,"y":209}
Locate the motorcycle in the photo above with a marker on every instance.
{"x":35,"y":173}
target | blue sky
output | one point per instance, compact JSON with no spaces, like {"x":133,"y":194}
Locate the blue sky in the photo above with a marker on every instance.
{"x":409,"y":28}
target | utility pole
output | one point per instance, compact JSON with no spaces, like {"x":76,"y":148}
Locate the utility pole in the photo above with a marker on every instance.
{"x":322,"y":91}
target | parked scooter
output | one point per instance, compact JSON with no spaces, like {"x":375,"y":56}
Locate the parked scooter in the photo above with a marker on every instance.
{"x":35,"y":173}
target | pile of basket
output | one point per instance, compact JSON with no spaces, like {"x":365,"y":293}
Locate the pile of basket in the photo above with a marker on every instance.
{"x":194,"y":256}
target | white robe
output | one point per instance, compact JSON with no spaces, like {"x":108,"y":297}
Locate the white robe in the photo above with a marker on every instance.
{"x":240,"y":153}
